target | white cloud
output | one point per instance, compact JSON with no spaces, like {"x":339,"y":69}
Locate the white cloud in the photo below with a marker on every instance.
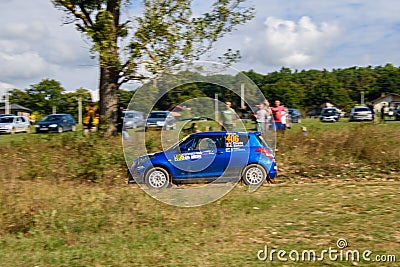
{"x":22,"y":65}
{"x":290,"y":43}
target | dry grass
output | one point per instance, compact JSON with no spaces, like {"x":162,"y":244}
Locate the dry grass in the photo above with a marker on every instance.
{"x":60,"y":207}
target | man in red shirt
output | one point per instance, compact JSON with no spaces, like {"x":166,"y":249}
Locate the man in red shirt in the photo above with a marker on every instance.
{"x":277,"y":114}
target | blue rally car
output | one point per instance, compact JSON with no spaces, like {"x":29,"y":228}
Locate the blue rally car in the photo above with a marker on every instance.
{"x":205,"y":157}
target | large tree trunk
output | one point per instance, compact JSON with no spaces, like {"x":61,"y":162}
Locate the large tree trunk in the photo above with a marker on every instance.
{"x":109,"y":75}
{"x":109,"y":99}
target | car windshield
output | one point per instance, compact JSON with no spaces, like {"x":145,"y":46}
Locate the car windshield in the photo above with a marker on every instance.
{"x":176,"y":145}
{"x":156,"y":115}
{"x":361,"y":109}
{"x":52,"y":118}
{"x":129,"y":115}
{"x":6,"y":119}
{"x":328,"y":111}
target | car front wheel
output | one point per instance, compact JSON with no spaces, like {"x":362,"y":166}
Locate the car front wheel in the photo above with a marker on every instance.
{"x":157,"y":178}
{"x":60,"y":129}
{"x":254,"y":174}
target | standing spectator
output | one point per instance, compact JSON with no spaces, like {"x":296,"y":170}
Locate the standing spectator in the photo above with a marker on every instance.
{"x":228,"y":118}
{"x":244,"y":113}
{"x":371,"y":107}
{"x":268,"y":119}
{"x":277,"y":115}
{"x":261,"y":118}
{"x":284,"y":121}
{"x":90,"y":119}
{"x":120,"y":119}
{"x":383,"y":112}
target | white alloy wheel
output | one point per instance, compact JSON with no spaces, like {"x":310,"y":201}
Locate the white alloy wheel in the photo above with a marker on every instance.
{"x":157,"y":178}
{"x":254,"y":174}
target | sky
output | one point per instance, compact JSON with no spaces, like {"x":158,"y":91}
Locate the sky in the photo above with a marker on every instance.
{"x":36,"y":44}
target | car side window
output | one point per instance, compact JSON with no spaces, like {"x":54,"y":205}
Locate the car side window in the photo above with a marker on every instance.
{"x":208,"y":143}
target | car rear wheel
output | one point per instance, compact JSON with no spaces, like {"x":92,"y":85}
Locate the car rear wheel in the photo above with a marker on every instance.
{"x":157,"y":178}
{"x":254,"y":174}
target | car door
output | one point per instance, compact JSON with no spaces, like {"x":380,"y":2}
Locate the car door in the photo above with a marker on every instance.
{"x":19,"y":125}
{"x":237,"y":153}
{"x":199,"y":157}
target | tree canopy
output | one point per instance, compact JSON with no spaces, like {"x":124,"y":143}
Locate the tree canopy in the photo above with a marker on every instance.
{"x":165,"y":34}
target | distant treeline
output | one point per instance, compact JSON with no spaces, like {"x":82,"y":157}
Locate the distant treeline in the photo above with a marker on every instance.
{"x":299,"y":89}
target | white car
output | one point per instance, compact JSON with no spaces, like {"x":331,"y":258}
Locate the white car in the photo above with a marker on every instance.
{"x":14,"y":124}
{"x":360,"y":113}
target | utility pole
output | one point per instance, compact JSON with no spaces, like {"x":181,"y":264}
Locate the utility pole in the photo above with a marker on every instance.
{"x":242,"y":95}
{"x":362,"y":97}
{"x":80,"y":110}
{"x":7,"y":103}
{"x":216,"y":107}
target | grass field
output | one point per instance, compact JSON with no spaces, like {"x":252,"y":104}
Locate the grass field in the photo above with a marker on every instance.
{"x":64,"y":202}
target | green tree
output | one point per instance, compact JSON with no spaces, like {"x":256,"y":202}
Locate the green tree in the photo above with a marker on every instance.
{"x":21,"y":97}
{"x":167,"y":33}
{"x":45,"y":95}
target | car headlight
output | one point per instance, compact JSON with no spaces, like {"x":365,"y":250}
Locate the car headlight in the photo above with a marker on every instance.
{"x":160,"y":123}
{"x":53,"y":125}
{"x":128,"y":122}
{"x":37,"y":126}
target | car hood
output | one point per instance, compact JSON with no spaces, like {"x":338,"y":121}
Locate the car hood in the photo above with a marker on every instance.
{"x":46,"y":123}
{"x":156,"y":119}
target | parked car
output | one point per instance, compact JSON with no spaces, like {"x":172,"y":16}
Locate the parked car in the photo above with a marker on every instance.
{"x":14,"y":124}
{"x":294,"y":115}
{"x":160,"y":120}
{"x":360,"y":113}
{"x":397,"y":113}
{"x":329,"y":115}
{"x":133,"y":119}
{"x":56,"y":123}
{"x":205,"y":156}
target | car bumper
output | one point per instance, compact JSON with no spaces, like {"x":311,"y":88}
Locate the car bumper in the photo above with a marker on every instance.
{"x":46,"y":129}
{"x":5,"y":130}
{"x":362,"y":118}
{"x":329,"y":119}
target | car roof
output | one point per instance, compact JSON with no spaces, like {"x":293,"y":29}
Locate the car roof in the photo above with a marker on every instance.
{"x":215,"y":133}
{"x":13,"y":116}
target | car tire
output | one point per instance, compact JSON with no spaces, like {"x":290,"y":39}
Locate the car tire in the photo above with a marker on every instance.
{"x":60,"y":129}
{"x":254,"y":174}
{"x":157,"y":178}
{"x":13,"y":131}
{"x":174,"y":126}
{"x":134,"y":126}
